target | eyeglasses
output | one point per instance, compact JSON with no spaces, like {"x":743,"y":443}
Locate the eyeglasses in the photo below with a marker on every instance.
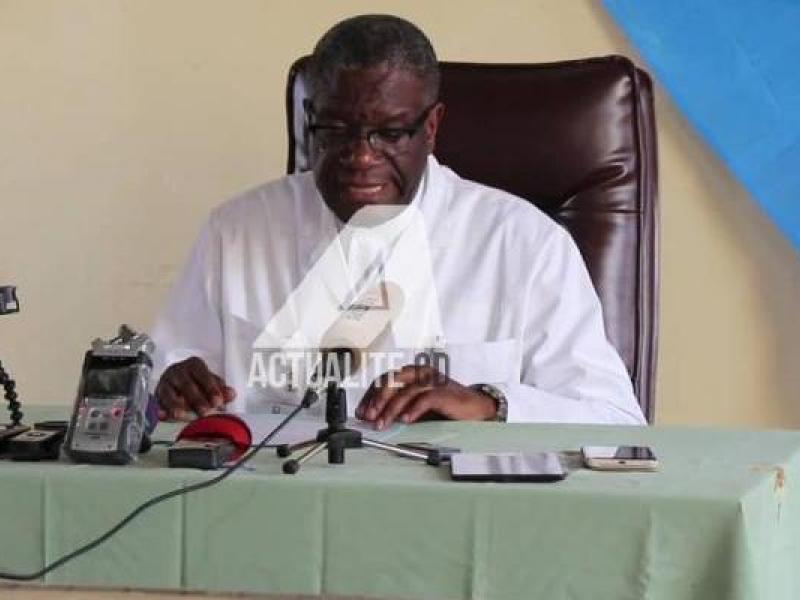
{"x":389,"y":141}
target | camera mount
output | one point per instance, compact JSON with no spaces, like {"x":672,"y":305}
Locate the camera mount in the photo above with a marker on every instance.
{"x":8,"y":300}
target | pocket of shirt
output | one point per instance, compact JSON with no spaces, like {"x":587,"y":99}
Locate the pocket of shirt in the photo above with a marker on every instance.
{"x":494,"y":362}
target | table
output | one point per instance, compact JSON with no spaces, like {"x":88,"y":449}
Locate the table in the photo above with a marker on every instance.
{"x":721,"y":519}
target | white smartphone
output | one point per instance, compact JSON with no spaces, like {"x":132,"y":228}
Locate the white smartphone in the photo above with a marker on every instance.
{"x":619,"y":458}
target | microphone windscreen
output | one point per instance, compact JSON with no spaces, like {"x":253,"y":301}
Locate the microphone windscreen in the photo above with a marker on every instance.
{"x":219,"y":426}
{"x":363,"y":321}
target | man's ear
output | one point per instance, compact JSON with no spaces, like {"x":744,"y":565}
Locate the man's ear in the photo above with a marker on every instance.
{"x":432,"y":126}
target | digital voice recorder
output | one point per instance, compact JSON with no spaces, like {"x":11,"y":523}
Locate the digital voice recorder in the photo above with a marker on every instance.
{"x":108,"y":419}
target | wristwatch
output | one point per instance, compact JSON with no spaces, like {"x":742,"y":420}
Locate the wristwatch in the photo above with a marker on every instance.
{"x":500,"y":400}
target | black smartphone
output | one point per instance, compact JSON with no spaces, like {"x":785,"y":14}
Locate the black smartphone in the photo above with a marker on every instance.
{"x":507,"y":467}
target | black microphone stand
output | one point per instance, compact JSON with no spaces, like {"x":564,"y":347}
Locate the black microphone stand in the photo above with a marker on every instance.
{"x":9,"y":304}
{"x":10,"y":430}
{"x":337,"y":438}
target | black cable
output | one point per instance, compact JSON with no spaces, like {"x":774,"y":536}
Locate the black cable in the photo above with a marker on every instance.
{"x":152,"y":502}
{"x":10,"y":389}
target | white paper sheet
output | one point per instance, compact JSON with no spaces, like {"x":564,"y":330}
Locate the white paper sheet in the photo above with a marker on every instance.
{"x":303,"y":428}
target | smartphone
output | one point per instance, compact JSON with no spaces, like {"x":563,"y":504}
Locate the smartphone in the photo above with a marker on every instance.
{"x":506,"y":467}
{"x":619,"y":458}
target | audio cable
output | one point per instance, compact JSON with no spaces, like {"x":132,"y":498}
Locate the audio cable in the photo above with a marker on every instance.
{"x":309,"y":398}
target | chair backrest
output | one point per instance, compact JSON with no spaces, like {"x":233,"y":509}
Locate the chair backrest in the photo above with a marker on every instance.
{"x":576,"y":138}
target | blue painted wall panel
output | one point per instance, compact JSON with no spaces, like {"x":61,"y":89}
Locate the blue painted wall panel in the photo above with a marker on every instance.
{"x":732,"y":68}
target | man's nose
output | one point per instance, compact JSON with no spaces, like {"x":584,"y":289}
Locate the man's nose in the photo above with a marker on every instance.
{"x":360,"y":153}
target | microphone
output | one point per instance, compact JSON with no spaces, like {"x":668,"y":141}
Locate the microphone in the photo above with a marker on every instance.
{"x":343,"y":346}
{"x":335,"y":364}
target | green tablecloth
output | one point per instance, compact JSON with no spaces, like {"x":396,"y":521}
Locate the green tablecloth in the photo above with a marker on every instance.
{"x":720,"y":520}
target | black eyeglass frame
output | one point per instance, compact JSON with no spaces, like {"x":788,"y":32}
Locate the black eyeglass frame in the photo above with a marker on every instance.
{"x":350,"y":133}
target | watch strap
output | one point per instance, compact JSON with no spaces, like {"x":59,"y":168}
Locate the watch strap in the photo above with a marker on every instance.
{"x":496,"y":394}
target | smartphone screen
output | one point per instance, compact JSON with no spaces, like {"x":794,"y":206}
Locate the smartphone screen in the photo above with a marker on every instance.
{"x":620,"y":452}
{"x":619,"y":457}
{"x":507,"y":467}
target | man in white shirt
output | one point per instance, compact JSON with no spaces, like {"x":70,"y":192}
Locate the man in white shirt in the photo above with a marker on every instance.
{"x":506,"y":295}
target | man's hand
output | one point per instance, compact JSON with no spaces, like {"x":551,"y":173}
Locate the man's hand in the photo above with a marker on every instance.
{"x":189,"y":386}
{"x":414,"y":391}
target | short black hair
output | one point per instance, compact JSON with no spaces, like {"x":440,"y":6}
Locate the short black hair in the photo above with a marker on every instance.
{"x":371,"y":40}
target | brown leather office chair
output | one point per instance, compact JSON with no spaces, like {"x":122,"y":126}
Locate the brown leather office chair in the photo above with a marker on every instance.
{"x":578,"y":139}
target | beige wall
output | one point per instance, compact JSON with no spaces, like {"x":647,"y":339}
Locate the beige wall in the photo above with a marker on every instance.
{"x":123,"y":122}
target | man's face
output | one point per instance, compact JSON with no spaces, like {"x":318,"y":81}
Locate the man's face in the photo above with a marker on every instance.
{"x":349,"y":172}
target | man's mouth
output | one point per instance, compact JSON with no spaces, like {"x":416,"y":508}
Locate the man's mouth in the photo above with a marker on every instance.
{"x":363,"y":192}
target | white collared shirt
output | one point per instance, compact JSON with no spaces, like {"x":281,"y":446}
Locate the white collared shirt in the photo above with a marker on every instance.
{"x":516,"y":304}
